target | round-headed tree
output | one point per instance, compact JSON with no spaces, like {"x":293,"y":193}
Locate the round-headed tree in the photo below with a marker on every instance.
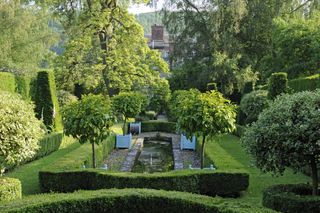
{"x":287,"y":134}
{"x":205,"y":114}
{"x":128,"y":105}
{"x":89,"y":120}
{"x":20,"y":130}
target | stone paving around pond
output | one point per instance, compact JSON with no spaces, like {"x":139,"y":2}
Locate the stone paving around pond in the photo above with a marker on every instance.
{"x":132,"y":155}
{"x":124,"y":159}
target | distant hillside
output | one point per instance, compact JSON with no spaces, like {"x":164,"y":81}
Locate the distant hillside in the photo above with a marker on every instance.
{"x":149,"y":19}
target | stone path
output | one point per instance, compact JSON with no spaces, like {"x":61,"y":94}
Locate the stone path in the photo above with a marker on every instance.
{"x":190,"y":158}
{"x":123,"y":159}
{"x":116,"y":159}
{"x":132,"y":155}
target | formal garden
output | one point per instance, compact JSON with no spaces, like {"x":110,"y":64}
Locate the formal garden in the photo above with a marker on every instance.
{"x":95,"y":119}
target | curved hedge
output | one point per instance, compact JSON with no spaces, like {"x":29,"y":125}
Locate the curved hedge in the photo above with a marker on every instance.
{"x":128,"y":200}
{"x":201,"y":182}
{"x":10,"y":189}
{"x":291,"y":198}
{"x":158,"y":126}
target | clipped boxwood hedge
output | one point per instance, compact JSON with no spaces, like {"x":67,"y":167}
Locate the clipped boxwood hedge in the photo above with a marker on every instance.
{"x":128,"y":200}
{"x":49,"y":144}
{"x":291,"y":198}
{"x":8,"y":82}
{"x":23,"y":86}
{"x":46,"y":101}
{"x":307,"y":83}
{"x":158,"y":126}
{"x":10,"y":189}
{"x":201,"y":182}
{"x":278,"y":84}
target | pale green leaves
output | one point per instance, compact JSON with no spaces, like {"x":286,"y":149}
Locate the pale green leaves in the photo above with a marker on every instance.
{"x":19,"y":130}
{"x":204,"y":114}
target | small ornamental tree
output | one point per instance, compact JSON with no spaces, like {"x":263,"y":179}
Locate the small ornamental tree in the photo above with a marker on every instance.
{"x":88,"y":120}
{"x":127,"y":104}
{"x":20,"y":130}
{"x":287,"y":135}
{"x":205,"y":114}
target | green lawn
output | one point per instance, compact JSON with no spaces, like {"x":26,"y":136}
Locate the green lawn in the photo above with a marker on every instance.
{"x":71,"y":155}
{"x":28,"y":173}
{"x":228,"y":155}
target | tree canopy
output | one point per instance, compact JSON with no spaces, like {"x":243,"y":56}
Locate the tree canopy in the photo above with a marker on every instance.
{"x":205,"y":114}
{"x":89,"y":120}
{"x":25,"y":37}
{"x":286,"y":134}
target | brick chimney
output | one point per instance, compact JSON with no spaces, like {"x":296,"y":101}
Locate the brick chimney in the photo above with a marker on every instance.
{"x":157,"y":33}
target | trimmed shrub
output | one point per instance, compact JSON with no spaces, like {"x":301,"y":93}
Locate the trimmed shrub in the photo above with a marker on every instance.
{"x":278,"y":83}
{"x":129,"y":200}
{"x":201,"y":182}
{"x":19,"y":131}
{"x":45,"y":98}
{"x":7,"y":82}
{"x":10,"y":189}
{"x":307,"y":83}
{"x":23,"y":86}
{"x":151,"y":115}
{"x":49,"y":144}
{"x":253,"y":103}
{"x":158,"y":126}
{"x":212,"y":86}
{"x":291,"y":198}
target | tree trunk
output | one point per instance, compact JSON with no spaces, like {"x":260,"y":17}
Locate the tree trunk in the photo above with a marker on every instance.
{"x":93,"y":156}
{"x":202,"y":151}
{"x":124,"y":126}
{"x":314,"y":174}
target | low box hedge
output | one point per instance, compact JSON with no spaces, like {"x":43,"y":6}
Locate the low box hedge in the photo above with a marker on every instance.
{"x":201,"y":182}
{"x":291,"y":198}
{"x":10,"y":189}
{"x":49,"y":144}
{"x":158,"y":126}
{"x":128,"y":200}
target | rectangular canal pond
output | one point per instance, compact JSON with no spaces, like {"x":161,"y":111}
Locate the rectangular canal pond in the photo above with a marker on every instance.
{"x":156,"y":156}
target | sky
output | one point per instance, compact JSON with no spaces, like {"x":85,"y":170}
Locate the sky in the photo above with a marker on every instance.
{"x":141,"y":8}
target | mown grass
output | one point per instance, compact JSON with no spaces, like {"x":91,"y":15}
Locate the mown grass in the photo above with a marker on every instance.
{"x":28,"y":173}
{"x":71,"y":155}
{"x":227,"y":154}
